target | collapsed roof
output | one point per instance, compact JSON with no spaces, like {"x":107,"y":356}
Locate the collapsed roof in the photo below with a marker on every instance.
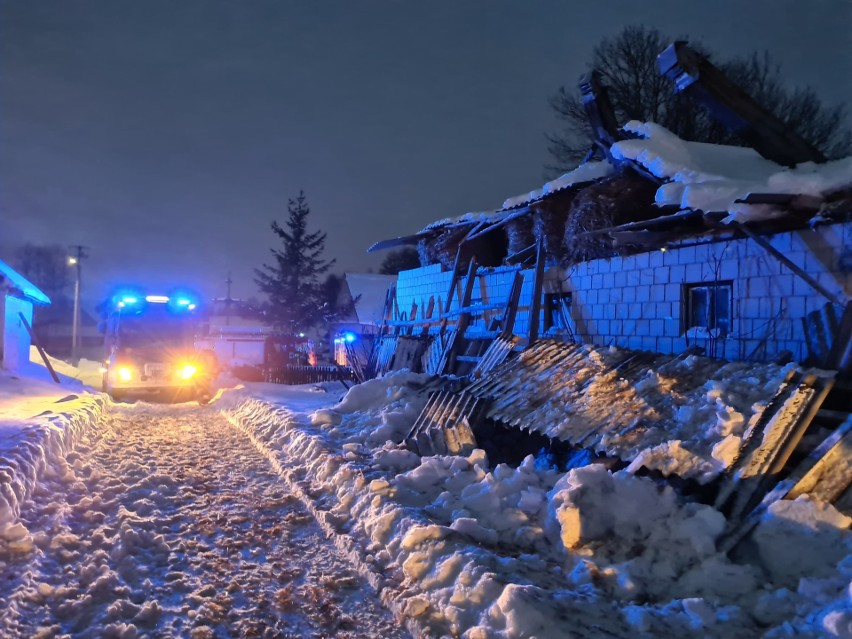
{"x":654,"y":187}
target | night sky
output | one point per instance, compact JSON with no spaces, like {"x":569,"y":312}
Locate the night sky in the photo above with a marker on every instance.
{"x":167,"y":135}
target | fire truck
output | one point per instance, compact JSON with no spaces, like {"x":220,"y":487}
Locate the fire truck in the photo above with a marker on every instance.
{"x":150,"y":351}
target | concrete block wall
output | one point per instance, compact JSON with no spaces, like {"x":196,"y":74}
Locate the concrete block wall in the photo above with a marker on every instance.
{"x":492,"y":286}
{"x":637,"y":301}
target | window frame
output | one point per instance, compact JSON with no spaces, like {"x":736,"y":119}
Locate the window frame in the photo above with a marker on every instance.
{"x":690,"y":329}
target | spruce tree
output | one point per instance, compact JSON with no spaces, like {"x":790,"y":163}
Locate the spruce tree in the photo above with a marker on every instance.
{"x":291,"y":282}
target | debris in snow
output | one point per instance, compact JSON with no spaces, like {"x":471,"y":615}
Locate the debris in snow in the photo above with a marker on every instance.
{"x":484,"y":550}
{"x":460,"y":546}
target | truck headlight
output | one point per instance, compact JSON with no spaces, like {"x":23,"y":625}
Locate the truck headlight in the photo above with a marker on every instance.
{"x":187,"y":371}
{"x":125,"y":374}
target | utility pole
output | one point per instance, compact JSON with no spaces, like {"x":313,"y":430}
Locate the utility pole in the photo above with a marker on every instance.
{"x":76,"y":261}
{"x":228,"y":282}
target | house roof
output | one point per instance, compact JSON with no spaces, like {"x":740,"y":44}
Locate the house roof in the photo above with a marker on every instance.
{"x":369,"y":292}
{"x":726,"y":184}
{"x":11,"y":279}
{"x":583,"y":174}
{"x":715,"y":178}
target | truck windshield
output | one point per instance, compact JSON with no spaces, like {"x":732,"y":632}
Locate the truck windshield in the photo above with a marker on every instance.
{"x":152,"y":329}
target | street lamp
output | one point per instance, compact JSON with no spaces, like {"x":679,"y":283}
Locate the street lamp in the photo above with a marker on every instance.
{"x":76,"y":261}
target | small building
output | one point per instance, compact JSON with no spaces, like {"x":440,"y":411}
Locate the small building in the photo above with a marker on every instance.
{"x":367,"y":295}
{"x":18,"y":296}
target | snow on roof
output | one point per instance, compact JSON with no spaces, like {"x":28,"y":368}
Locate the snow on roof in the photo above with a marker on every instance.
{"x":712,"y":177}
{"x":369,"y":291}
{"x":467,"y":218}
{"x":584,"y":173}
{"x":22,"y":284}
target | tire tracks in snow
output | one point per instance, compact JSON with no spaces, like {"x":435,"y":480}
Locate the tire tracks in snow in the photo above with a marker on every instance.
{"x":167,"y":521}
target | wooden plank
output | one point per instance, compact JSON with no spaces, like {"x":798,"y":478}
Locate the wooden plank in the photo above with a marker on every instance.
{"x":512,"y":304}
{"x":538,"y":281}
{"x":795,"y":268}
{"x":830,"y":472}
{"x":37,"y":344}
{"x":778,"y":440}
{"x":840,"y":357}
{"x":464,"y":319}
{"x":804,"y":479}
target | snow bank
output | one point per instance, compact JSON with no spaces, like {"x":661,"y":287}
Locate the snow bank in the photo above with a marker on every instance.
{"x":460,"y":548}
{"x":40,"y":423}
{"x":711,"y":177}
{"x":87,"y":372}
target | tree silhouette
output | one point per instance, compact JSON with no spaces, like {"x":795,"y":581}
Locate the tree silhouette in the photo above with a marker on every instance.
{"x":403,"y":259}
{"x":291,"y":282}
{"x":628,"y":67}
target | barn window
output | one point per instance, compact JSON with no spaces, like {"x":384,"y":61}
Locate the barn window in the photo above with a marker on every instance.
{"x":557,"y":311}
{"x":707,"y":309}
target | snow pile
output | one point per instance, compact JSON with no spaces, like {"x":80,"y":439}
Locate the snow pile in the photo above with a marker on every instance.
{"x":39,"y":423}
{"x":806,"y":549}
{"x":711,"y":177}
{"x":87,"y":372}
{"x":584,"y":173}
{"x":461,"y":548}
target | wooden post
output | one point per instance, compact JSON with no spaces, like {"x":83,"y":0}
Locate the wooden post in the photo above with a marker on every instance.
{"x":512,"y":305}
{"x":39,"y":348}
{"x":535,"y":306}
{"x":464,"y":317}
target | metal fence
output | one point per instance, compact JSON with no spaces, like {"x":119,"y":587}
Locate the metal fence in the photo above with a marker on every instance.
{"x":296,"y":374}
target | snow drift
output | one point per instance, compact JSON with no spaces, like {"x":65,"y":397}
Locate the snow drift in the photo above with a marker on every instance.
{"x":458,"y":547}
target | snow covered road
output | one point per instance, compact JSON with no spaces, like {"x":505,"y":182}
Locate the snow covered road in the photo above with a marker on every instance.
{"x":166,"y":521}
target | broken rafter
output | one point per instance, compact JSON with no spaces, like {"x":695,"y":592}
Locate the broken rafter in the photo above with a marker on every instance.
{"x":696,"y":76}
{"x":762,"y":242}
{"x":680,"y":216}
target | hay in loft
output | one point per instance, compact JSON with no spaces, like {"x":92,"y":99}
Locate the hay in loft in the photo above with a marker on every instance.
{"x":442,"y":247}
{"x":446,"y":244}
{"x":619,"y":199}
{"x":549,"y":218}
{"x":519,"y":234}
{"x":426,"y":251}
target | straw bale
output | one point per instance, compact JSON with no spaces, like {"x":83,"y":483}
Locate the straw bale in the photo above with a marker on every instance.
{"x":618,"y":199}
{"x":549,"y":219}
{"x":519,"y":233}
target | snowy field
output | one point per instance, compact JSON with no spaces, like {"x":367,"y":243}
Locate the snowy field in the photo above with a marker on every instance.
{"x":295,"y":512}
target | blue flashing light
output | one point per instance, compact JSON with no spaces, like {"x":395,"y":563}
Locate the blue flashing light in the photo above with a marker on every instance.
{"x":183,"y":301}
{"x":349,"y":337}
{"x":128,"y":299}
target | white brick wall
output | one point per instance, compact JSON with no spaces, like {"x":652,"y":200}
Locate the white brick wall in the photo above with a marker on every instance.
{"x":642,"y":303}
{"x":636,"y":301}
{"x":492,"y":286}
